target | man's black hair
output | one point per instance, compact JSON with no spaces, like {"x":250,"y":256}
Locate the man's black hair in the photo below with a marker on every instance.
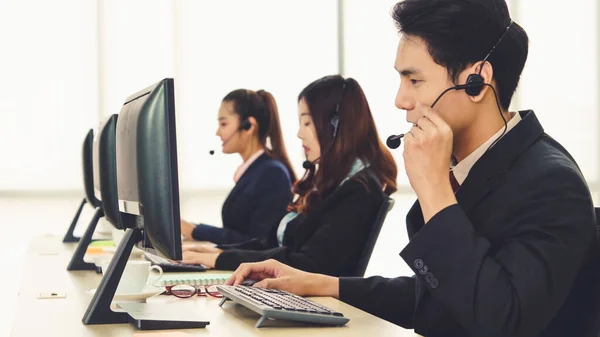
{"x":459,"y":33}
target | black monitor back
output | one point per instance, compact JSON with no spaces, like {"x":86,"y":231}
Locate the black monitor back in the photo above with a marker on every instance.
{"x":106,"y":167}
{"x":147,"y":176}
{"x":87,"y":161}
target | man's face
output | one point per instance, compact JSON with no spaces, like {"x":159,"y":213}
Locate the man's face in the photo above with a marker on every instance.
{"x":423,"y":80}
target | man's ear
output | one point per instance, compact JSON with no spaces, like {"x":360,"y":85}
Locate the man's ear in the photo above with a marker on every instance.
{"x":486,"y":71}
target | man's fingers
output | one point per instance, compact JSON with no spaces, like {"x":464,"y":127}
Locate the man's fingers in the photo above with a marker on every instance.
{"x":426,"y":124}
{"x":427,"y":111}
{"x":250,"y":270}
{"x":269,"y":283}
{"x":409,"y":137}
{"x":262,"y":284}
{"x":238,"y":276}
{"x":416,"y":132}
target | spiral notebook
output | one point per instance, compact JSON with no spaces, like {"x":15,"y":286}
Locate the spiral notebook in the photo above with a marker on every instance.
{"x":194,"y":279}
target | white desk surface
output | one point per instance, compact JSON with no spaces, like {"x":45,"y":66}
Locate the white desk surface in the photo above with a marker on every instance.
{"x":45,"y":271}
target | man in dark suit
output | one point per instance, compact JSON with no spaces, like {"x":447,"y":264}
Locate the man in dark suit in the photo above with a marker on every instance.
{"x":502,"y":245}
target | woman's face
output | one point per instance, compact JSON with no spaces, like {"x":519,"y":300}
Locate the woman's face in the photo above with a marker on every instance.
{"x":229,"y":123}
{"x":308,"y":133}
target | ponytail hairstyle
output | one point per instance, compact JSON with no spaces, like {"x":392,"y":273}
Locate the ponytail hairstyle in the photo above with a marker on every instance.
{"x":262,"y":106}
{"x":356,"y":138}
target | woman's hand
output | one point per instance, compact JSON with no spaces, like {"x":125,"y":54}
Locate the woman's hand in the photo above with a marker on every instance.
{"x":201,"y":248}
{"x":186,"y":229}
{"x":276,"y":275}
{"x":207,"y":259}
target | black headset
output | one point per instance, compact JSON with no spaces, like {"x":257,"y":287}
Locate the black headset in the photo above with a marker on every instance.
{"x":473,"y":87}
{"x":245,"y":123}
{"x":335,"y":123}
{"x":475,"y":82}
{"x":335,"y":119}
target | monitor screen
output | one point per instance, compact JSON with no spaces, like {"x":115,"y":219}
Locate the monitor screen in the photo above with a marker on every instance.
{"x":147,"y":176}
{"x":89,"y":178}
{"x":96,"y":166}
{"x":105,"y":164}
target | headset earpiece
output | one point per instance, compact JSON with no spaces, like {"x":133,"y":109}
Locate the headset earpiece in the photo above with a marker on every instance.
{"x":335,"y":119}
{"x":474,"y":85}
{"x":335,"y":122}
{"x":245,"y":125}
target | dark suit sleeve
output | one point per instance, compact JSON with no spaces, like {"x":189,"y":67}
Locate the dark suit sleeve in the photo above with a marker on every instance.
{"x":390,"y":299}
{"x":254,"y":244}
{"x":516,"y":288}
{"x":270,"y":199}
{"x":218,"y":235}
{"x":333,"y":247}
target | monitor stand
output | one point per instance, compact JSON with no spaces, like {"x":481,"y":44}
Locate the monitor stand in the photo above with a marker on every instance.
{"x":77,"y":262}
{"x":69,"y":237}
{"x":99,"y":311}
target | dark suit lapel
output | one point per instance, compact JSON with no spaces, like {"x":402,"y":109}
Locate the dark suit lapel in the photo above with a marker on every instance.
{"x":472,"y":191}
{"x":477,"y":185}
{"x":492,"y":164}
{"x":498,"y":160}
{"x":240,"y":185}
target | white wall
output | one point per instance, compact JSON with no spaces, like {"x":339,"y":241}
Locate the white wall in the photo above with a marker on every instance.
{"x":560,"y":80}
{"x":226,"y":45}
{"x":48,"y":92}
{"x":75,"y":62}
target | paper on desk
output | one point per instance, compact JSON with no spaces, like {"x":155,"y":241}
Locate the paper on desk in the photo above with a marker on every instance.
{"x":161,"y":334}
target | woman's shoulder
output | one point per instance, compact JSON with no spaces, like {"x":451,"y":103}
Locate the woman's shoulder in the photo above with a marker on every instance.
{"x":271,"y":168}
{"x":367,"y":179}
{"x":364,"y":183}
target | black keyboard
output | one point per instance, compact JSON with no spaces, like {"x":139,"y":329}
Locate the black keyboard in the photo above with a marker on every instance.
{"x":278,"y":304}
{"x":173,"y":266}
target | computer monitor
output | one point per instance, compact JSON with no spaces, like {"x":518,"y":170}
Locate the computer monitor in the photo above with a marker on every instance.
{"x":99,"y":162}
{"x":88,"y":185}
{"x":148,"y":195}
{"x":88,"y":169}
{"x":147,"y":176}
{"x":96,"y":167}
{"x":105,"y":171}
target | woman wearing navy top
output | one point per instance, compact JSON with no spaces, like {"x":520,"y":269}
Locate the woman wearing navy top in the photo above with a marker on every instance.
{"x":249,"y":125}
{"x":338,"y":198}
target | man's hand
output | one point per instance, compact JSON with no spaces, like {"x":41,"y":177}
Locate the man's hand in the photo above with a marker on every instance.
{"x":273,"y":274}
{"x":427,"y":152}
{"x":207,"y":259}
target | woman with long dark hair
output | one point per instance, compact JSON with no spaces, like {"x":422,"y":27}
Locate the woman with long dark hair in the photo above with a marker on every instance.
{"x":349,"y":171}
